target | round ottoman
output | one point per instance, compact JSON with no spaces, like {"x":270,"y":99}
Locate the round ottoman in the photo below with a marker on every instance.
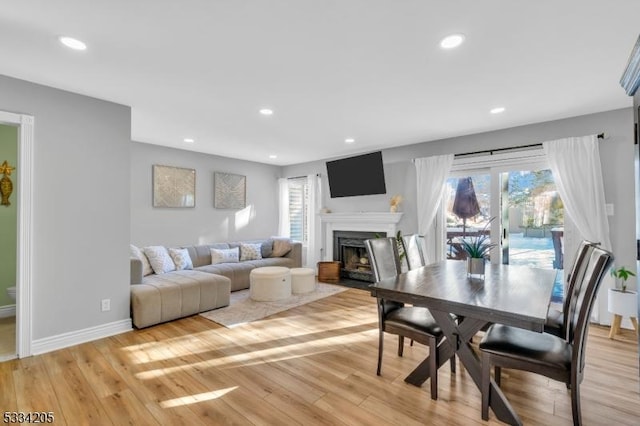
{"x":270,"y":283}
{"x":303,"y":280}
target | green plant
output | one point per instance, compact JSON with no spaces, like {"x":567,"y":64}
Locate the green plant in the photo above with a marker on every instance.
{"x":478,"y":246}
{"x":622,"y":274}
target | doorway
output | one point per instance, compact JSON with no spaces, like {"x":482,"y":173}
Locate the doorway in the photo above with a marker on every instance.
{"x":8,"y":236}
{"x":22,"y":196}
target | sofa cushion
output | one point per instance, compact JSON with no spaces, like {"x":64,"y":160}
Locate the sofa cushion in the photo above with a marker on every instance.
{"x":201,"y":255}
{"x":138,"y":254}
{"x":181,"y":258}
{"x":160,"y":260}
{"x":281,"y":246}
{"x":177,"y":294}
{"x":250,"y":251}
{"x":230,"y":255}
{"x":238,"y":273}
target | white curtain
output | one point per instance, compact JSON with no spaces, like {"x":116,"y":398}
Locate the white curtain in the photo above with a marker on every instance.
{"x":431,"y":173}
{"x":577,"y":172}
{"x":284,"y":229}
{"x":313,"y":221}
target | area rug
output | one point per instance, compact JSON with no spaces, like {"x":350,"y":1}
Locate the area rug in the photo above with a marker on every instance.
{"x":242,"y":309}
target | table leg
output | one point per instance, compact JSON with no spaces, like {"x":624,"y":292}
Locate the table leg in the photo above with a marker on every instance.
{"x":457,"y":341}
{"x":615,"y":325}
{"x":634,"y":321}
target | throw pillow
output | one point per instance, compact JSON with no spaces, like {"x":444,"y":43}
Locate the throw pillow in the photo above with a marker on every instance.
{"x":225,"y":255}
{"x":181,"y":258}
{"x":250,"y":252}
{"x":281,"y":246}
{"x":160,"y":260}
{"x":138,"y":254}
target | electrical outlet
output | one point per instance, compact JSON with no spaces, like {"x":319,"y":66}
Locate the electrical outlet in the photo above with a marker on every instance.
{"x":106,"y":305}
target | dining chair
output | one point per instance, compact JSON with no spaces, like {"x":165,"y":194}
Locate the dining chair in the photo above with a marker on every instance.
{"x":558,"y":358}
{"x":413,"y":251}
{"x":413,"y":322}
{"x":556,"y":319}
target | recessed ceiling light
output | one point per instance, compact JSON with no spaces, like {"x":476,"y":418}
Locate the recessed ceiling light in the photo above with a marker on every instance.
{"x":452,"y":41}
{"x":189,"y":140}
{"x":72,"y":43}
{"x":349,"y":140}
{"x":266,"y":111}
{"x":497,"y":110}
{"x":273,"y":156}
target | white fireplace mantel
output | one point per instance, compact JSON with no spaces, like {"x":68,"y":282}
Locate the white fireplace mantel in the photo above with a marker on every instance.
{"x":381,"y":222}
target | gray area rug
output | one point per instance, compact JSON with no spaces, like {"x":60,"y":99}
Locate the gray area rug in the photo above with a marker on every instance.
{"x":242,"y":309}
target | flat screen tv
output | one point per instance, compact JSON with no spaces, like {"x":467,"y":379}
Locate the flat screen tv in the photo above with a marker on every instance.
{"x":360,"y":175}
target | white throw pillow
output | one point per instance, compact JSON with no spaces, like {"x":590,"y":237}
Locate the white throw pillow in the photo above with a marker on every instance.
{"x":181,"y":258}
{"x":160,"y":260}
{"x":138,"y":254}
{"x":250,"y":252}
{"x":225,"y":255}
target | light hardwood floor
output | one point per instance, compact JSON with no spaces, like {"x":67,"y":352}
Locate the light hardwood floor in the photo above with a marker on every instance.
{"x":314,"y":364}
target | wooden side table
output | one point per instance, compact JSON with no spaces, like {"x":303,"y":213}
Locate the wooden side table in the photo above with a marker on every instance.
{"x":329,"y":271}
{"x":622,"y":304}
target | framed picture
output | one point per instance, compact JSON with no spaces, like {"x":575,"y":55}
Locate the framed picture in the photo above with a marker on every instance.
{"x":174,"y":186}
{"x":230,"y":191}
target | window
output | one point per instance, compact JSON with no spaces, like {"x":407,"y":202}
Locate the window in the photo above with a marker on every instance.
{"x":298,"y":209}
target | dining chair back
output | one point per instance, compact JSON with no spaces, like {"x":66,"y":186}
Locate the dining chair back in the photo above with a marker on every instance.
{"x":557,"y":320}
{"x":555,"y":357}
{"x":413,"y":322}
{"x":413,"y":251}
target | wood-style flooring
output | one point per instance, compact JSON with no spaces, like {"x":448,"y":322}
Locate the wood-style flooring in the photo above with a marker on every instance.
{"x":313,"y":364}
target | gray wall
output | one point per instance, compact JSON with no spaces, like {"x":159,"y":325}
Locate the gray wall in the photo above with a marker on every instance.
{"x":80,"y":206}
{"x":204,"y":223}
{"x":616,"y":152}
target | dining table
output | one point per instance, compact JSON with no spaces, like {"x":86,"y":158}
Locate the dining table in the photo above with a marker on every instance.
{"x":464,"y":304}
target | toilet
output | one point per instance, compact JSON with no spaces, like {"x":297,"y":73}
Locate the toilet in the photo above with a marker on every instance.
{"x":11,"y":291}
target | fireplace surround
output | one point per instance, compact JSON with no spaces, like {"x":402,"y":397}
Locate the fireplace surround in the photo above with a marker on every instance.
{"x":344,"y":235}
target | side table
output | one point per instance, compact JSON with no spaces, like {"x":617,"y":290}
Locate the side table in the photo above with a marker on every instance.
{"x":622,"y":304}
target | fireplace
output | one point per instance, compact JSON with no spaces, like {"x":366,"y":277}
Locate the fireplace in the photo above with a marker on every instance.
{"x":350,"y":250}
{"x":344,"y":236}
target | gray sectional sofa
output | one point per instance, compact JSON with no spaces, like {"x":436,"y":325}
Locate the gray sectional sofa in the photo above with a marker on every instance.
{"x":157,"y":298}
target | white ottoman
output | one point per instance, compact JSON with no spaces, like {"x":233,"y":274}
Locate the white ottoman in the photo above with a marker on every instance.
{"x":303,"y":280}
{"x":270,"y":283}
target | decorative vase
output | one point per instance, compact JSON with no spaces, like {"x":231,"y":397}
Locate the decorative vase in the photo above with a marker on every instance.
{"x":6,"y":188}
{"x":475,"y":266}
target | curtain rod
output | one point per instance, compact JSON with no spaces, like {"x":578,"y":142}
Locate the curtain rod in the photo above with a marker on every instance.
{"x":491,"y":151}
{"x":304,"y":176}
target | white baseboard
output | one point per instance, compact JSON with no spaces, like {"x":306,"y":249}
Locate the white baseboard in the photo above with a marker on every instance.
{"x":7,"y":311}
{"x":65,"y":340}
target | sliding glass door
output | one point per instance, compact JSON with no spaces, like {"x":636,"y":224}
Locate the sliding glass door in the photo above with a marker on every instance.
{"x":519,"y":193}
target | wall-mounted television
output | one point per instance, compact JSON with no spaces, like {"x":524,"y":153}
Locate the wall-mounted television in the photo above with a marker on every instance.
{"x":359,"y":175}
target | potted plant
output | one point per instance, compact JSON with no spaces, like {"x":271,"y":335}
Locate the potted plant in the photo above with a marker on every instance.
{"x":621,"y":302}
{"x":477,"y":248}
{"x":622,"y":274}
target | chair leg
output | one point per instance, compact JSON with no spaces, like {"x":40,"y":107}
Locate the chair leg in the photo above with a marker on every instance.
{"x":433,"y":367}
{"x":380,"y":346}
{"x":400,"y":345}
{"x":452,"y":361}
{"x":575,"y":402}
{"x":485,"y":384}
{"x":497,"y":375}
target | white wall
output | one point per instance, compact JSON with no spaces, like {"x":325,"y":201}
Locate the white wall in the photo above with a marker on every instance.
{"x":616,"y":152}
{"x":204,"y":223}
{"x":80,"y":206}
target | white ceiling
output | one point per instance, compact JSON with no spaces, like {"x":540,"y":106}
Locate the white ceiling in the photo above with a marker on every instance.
{"x":330,"y":69}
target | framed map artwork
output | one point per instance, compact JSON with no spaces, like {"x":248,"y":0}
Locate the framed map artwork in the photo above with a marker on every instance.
{"x":229,"y":191}
{"x":174,"y":186}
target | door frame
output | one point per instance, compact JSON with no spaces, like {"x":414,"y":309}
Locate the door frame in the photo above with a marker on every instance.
{"x":24,"y":272}
{"x":494,"y":165}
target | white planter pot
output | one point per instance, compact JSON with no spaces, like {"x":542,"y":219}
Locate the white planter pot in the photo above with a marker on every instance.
{"x":475,"y":266}
{"x":623,"y":303}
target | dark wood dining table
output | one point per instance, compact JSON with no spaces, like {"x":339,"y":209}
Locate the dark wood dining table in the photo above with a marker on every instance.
{"x":518,"y":296}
